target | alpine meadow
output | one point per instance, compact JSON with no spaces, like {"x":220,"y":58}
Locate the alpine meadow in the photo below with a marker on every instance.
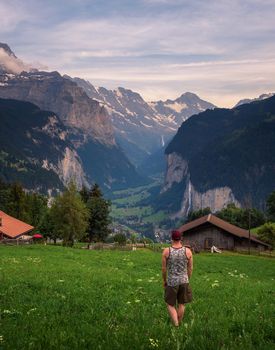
{"x":54,"y":296}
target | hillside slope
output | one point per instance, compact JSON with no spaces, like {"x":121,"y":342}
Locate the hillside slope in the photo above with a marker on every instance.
{"x":222,"y":156}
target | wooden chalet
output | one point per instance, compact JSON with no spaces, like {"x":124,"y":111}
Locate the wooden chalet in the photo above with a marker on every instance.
{"x":11,"y":228}
{"x":209,"y":230}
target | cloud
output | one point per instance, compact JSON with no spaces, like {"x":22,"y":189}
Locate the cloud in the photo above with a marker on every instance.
{"x":216,"y":48}
{"x":14,"y":65}
{"x":12,"y":13}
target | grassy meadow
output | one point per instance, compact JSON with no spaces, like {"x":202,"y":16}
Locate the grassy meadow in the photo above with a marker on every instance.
{"x":65,"y":298}
{"x":127,"y":207}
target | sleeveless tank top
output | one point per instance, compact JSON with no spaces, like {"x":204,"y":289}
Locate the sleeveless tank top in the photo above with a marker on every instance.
{"x":177,"y":267}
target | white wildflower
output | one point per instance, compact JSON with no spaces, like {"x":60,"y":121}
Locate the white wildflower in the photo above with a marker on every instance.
{"x":215,"y":285}
{"x":154,"y":343}
{"x":31,"y":310}
{"x":7,"y":312}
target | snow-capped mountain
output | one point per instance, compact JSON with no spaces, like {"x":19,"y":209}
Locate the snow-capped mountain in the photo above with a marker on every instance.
{"x":260,"y":98}
{"x":141,"y":128}
{"x":182,"y":108}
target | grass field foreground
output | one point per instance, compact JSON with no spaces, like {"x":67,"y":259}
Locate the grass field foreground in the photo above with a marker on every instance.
{"x":62,"y":298}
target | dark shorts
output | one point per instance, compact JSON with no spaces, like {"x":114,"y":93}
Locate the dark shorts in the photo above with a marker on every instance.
{"x":181,"y":294}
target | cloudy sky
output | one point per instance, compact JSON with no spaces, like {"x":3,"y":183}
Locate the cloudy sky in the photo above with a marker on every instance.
{"x":223,"y":50}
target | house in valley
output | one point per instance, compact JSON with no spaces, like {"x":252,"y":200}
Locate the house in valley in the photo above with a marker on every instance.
{"x":11,"y":228}
{"x":209,"y":230}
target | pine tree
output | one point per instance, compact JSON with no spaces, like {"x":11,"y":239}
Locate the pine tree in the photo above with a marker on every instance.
{"x":99,"y":219}
{"x":36,"y":207}
{"x":69,"y":215}
{"x":17,"y":203}
{"x":84,"y":193}
{"x":270,"y":203}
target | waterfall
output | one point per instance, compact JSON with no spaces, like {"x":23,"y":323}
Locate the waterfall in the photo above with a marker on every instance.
{"x":189,"y":197}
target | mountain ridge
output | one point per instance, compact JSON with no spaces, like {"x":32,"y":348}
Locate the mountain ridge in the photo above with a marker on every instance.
{"x":222,"y":156}
{"x":140,"y":128}
{"x":88,"y":123}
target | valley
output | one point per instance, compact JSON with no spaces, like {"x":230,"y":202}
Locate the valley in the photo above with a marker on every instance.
{"x":155,"y":160}
{"x":134,"y":209}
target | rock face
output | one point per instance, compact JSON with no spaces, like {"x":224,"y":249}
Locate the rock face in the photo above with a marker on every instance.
{"x":87,"y":125}
{"x":35,"y":148}
{"x":52,"y":92}
{"x":178,"y":172}
{"x":177,"y":169}
{"x":143,"y":128}
{"x":221,"y":156}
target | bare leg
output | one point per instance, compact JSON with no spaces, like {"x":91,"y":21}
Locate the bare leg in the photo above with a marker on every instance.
{"x":181,"y":309}
{"x":173,"y":314}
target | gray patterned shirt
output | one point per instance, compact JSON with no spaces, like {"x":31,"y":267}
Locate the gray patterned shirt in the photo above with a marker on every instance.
{"x":177,"y":267}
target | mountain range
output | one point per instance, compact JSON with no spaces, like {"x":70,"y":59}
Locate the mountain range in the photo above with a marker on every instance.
{"x":86,"y":123}
{"x":249,"y":100}
{"x":54,"y":128}
{"x":111,"y":132}
{"x":142,"y":128}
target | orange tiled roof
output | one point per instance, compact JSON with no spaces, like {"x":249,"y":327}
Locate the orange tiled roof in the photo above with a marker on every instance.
{"x":214,"y":220}
{"x":12,"y":227}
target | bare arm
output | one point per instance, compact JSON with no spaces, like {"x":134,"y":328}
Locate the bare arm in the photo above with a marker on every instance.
{"x":164,"y":269}
{"x":190,"y":262}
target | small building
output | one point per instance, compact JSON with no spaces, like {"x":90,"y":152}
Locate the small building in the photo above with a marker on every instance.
{"x":11,"y":228}
{"x":209,"y":230}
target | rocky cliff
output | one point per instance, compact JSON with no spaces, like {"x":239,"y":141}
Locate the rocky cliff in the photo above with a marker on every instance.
{"x":35,"y":148}
{"x":87,"y":124}
{"x":52,"y":92}
{"x":191,"y":199}
{"x":221,"y":156}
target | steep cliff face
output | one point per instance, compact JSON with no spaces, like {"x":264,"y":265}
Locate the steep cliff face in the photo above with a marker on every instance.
{"x":52,"y":92}
{"x":35,"y":148}
{"x":177,"y":170}
{"x":190,"y":198}
{"x":86,"y":123}
{"x":222,"y":156}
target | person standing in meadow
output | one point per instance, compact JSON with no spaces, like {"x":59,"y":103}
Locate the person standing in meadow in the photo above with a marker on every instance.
{"x":177,"y":268}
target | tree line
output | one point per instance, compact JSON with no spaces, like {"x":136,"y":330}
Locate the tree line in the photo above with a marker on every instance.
{"x":71,"y":215}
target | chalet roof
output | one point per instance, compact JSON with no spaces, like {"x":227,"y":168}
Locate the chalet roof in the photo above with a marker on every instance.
{"x":226,"y":226}
{"x":12,"y":227}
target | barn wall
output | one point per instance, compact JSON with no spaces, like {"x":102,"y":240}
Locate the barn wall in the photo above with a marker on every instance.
{"x":205,"y":237}
{"x":244,"y":244}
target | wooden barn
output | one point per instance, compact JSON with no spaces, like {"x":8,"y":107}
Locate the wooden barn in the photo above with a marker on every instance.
{"x":210,"y":230}
{"x":11,"y":228}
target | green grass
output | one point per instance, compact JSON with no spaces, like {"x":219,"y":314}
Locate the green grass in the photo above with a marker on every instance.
{"x":156,"y":217}
{"x":126,"y":203}
{"x":62,"y":298}
{"x":132,"y":199}
{"x":124,"y":213}
{"x":135,"y":190}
